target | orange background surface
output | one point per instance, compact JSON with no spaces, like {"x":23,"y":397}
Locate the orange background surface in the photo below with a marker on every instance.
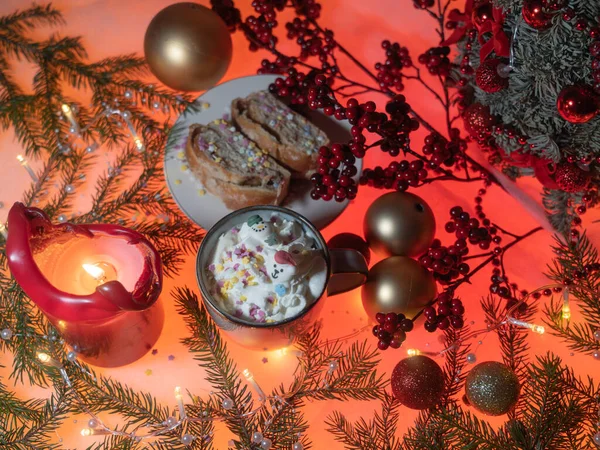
{"x":112,"y":27}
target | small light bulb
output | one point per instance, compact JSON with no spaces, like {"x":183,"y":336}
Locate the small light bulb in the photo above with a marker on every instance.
{"x":86,"y":431}
{"x":20,"y":159}
{"x":413,"y":352}
{"x":178,"y":393}
{"x":247,"y":374}
{"x":138,"y":143}
{"x":43,"y":357}
{"x":566,"y":312}
{"x":538,"y":329}
{"x":66,"y":109}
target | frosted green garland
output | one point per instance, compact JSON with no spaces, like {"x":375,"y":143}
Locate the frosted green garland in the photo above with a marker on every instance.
{"x":545,"y":62}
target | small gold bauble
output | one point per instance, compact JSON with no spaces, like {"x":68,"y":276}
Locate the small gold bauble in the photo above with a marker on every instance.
{"x":398,"y":284}
{"x":399,"y":223}
{"x":492,"y":388}
{"x":188,"y":47}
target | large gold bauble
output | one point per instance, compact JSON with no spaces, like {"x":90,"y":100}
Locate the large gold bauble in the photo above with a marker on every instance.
{"x":399,"y":223}
{"x":188,"y":47}
{"x":398,"y":284}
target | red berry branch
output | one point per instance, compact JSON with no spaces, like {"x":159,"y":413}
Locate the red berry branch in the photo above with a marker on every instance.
{"x":313,"y":79}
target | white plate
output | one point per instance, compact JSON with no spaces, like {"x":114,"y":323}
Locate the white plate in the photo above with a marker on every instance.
{"x":207,"y":209}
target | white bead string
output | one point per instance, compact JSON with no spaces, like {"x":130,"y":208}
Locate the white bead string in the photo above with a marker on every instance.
{"x":96,"y":426}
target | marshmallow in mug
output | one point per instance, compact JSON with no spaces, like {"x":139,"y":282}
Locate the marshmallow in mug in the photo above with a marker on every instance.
{"x":267,"y":270}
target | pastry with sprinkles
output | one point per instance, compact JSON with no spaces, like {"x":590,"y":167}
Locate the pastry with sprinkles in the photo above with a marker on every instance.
{"x":286,"y":135}
{"x":233,"y":168}
{"x":267,"y":269}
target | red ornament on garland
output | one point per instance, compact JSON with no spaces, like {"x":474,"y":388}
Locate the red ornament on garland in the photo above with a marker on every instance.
{"x":488,"y":77}
{"x":570,"y":178}
{"x":578,"y":103}
{"x":352,"y":241}
{"x":535,"y":16}
{"x":478,"y":119}
{"x":418,"y":382}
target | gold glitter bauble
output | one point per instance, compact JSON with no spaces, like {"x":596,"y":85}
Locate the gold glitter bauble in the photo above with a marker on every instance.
{"x":418,"y":382}
{"x":399,"y":223}
{"x":398,"y":284}
{"x":492,"y":388}
{"x":188,"y":47}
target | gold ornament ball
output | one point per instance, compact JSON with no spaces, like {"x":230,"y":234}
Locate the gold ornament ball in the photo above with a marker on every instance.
{"x":398,"y":284}
{"x":399,"y":223}
{"x":188,"y":47}
{"x":492,"y":388}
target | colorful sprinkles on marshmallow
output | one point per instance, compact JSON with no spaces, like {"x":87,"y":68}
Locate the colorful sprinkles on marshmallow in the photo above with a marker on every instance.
{"x":257,"y":276}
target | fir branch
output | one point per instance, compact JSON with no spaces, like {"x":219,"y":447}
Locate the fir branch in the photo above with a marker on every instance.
{"x":455,"y":361}
{"x":578,"y":336}
{"x":576,"y":258}
{"x":221,"y":372}
{"x":346,"y":433}
{"x":27,"y":19}
{"x":550,"y":412}
{"x":36,"y":433}
{"x":72,"y":177}
{"x":466,"y":431}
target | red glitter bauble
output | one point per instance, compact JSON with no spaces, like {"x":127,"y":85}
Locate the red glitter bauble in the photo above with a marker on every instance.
{"x":352,"y":241}
{"x":570,"y":178}
{"x":535,"y":16}
{"x":488,"y":78}
{"x":418,"y":382}
{"x":478,"y":120}
{"x":578,"y":103}
{"x":482,"y":13}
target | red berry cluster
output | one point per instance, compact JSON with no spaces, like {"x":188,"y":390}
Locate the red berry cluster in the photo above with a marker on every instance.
{"x":447,"y":263}
{"x":280,"y":65}
{"x":308,"y":8}
{"x":437,"y":61}
{"x":423,"y":4}
{"x":389,"y":73}
{"x":438,"y":150}
{"x":228,"y":12}
{"x":259,"y":31}
{"x":334,"y":176}
{"x":295,"y":87}
{"x":449,"y":313}
{"x":399,"y":175}
{"x":391,"y":330}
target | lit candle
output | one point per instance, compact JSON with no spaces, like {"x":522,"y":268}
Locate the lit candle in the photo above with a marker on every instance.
{"x":98,"y":284}
{"x":29,"y":170}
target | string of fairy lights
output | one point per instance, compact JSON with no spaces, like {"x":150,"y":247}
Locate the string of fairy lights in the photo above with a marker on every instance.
{"x":96,"y":427}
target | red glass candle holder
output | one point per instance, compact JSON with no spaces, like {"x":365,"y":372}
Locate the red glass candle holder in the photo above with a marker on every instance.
{"x":98,"y":284}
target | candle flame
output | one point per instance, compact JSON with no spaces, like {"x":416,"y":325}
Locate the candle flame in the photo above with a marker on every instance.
{"x":95,"y":271}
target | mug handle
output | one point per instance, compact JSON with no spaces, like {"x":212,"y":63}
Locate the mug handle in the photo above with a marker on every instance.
{"x":348,"y":270}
